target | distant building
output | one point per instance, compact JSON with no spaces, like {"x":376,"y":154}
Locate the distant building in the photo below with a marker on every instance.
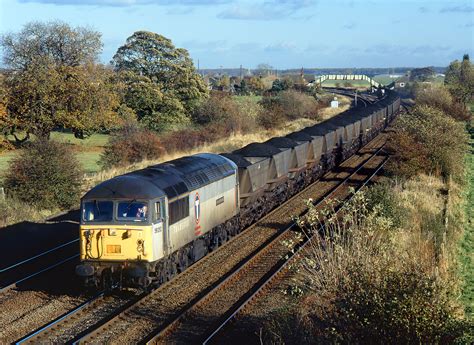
{"x":335,"y":103}
{"x":401,"y":82}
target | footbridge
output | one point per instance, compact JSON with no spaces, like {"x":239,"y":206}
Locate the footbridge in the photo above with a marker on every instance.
{"x":346,"y":77}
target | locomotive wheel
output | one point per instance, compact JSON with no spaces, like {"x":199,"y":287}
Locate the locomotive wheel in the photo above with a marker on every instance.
{"x":107,"y":280}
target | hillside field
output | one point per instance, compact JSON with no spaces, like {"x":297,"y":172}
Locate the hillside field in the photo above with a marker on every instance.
{"x":88,"y":150}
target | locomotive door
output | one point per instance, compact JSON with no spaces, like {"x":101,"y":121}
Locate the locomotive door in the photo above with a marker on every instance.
{"x":159,"y":229}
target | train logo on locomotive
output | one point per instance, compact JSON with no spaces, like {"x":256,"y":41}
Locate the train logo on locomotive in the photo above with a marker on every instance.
{"x":197,"y":211}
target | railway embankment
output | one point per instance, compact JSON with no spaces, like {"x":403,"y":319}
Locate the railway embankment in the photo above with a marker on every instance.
{"x":405,"y":274}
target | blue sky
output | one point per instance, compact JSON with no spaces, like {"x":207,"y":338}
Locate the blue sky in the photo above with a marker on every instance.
{"x":282,"y":33}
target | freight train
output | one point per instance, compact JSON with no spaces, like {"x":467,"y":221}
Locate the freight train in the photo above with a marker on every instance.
{"x":143,"y":227}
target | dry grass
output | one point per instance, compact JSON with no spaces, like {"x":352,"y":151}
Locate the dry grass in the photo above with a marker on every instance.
{"x":13,"y":211}
{"x":344,"y":104}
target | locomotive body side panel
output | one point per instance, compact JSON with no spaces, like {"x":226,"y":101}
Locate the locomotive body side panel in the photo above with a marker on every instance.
{"x":208,"y":207}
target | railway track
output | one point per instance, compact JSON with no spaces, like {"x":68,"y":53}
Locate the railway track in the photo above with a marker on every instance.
{"x":365,"y":99}
{"x":205,"y":319}
{"x":75,"y":322}
{"x":13,"y":275}
{"x":160,"y":307}
{"x":218,"y":333}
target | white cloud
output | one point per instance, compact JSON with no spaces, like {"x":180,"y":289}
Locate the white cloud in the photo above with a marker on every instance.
{"x":268,"y":10}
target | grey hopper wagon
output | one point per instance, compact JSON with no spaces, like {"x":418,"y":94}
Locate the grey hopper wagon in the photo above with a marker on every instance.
{"x":315,"y":146}
{"x":298,"y":152}
{"x":365,"y":123}
{"x":252,"y":177}
{"x":279,"y":160}
{"x":332,"y":134}
{"x":350,"y":131}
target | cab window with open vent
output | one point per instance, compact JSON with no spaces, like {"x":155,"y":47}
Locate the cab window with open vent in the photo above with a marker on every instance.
{"x":178,"y":209}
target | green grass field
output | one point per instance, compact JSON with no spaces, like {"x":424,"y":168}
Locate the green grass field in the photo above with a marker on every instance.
{"x":383,"y":79}
{"x":354,"y":83}
{"x":253,"y":98}
{"x":88,"y":150}
{"x":95,"y":140}
{"x":467,"y":243}
{"x":4,"y":160}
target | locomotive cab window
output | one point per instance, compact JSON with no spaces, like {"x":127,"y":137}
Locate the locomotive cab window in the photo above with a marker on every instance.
{"x":132,"y":210}
{"x":97,"y":211}
{"x":178,"y":209}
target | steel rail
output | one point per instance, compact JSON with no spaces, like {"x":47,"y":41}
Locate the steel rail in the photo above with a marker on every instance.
{"x":163,"y":331}
{"x":15,"y":284}
{"x":38,"y":255}
{"x":284,"y":265}
{"x":29,"y":338}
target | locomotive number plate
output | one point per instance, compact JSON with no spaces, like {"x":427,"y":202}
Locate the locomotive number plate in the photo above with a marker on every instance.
{"x":114,"y":249}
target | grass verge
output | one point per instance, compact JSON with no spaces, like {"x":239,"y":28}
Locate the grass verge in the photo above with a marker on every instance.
{"x":466,"y":255}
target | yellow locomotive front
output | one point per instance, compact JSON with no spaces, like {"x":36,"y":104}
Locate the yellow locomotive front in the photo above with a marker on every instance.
{"x":118,"y":241}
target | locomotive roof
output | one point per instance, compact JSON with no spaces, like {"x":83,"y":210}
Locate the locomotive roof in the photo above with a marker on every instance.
{"x":171,"y":178}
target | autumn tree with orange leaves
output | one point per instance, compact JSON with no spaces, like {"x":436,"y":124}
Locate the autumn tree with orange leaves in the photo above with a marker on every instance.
{"x":54,"y":81}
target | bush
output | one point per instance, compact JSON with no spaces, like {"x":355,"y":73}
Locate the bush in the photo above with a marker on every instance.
{"x":191,"y":138}
{"x":273,"y":116}
{"x":382,"y":196}
{"x":427,"y":140}
{"x":408,"y":157}
{"x":131,"y":145}
{"x":287,"y":105}
{"x":221,"y":108}
{"x":45,"y":174}
{"x":5,"y":145}
{"x":440,"y":98}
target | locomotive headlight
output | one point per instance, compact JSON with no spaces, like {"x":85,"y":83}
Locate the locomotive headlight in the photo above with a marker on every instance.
{"x":141,"y":246}
{"x":112,"y":232}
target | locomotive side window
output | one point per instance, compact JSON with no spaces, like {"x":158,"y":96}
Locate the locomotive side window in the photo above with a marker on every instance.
{"x":97,"y":211}
{"x":157,"y":211}
{"x":178,"y":209}
{"x":132,"y":210}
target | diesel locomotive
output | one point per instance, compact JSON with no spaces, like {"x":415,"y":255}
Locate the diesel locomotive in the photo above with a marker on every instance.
{"x":142,"y":228}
